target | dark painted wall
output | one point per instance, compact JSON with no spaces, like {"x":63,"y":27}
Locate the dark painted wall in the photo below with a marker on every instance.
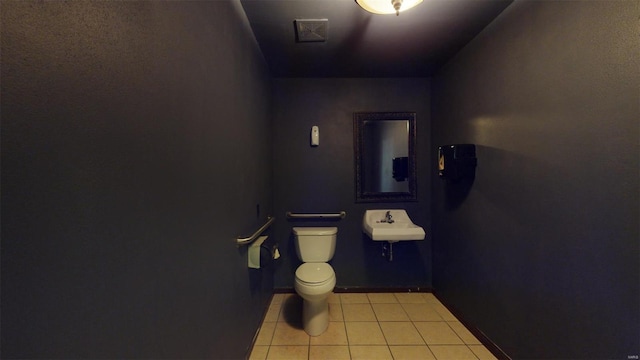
{"x":135,"y":148}
{"x":542,"y":254}
{"x":321,"y":179}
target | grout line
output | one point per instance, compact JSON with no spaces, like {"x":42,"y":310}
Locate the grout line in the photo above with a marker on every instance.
{"x":431,"y":303}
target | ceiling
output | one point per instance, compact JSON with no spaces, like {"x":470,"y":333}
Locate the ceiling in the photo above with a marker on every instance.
{"x":359,"y":44}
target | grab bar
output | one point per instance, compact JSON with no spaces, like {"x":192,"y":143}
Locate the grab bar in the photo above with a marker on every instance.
{"x":340,"y":215}
{"x":249,"y":239}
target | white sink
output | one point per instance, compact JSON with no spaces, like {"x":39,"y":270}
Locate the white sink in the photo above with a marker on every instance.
{"x":398,"y":228}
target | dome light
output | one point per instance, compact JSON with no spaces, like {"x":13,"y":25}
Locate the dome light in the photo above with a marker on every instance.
{"x":387,"y":6}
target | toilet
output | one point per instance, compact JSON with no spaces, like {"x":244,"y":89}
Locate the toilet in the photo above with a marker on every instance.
{"x":315,"y":278}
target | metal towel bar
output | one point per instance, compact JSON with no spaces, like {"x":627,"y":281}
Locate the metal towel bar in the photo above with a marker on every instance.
{"x":340,"y":215}
{"x":250,"y":239}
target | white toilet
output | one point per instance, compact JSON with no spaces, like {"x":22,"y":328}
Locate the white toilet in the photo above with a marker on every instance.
{"x":315,"y":278}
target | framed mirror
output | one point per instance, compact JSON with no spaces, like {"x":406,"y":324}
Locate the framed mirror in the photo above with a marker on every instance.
{"x":385,"y":157}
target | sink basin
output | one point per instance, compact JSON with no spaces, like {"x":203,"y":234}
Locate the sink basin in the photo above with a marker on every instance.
{"x":402,"y":228}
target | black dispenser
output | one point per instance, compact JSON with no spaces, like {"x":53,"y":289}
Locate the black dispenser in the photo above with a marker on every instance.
{"x":456,"y":162}
{"x":400,"y":168}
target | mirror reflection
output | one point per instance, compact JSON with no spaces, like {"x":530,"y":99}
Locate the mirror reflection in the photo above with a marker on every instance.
{"x":385,"y":157}
{"x":387,"y":148}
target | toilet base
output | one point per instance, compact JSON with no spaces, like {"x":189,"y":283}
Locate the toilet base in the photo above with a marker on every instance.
{"x":315,"y":316}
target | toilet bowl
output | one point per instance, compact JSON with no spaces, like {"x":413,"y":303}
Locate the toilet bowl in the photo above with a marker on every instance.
{"x":314,"y":283}
{"x":315,"y":278}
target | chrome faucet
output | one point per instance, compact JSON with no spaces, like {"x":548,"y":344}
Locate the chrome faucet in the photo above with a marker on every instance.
{"x":388,"y":218}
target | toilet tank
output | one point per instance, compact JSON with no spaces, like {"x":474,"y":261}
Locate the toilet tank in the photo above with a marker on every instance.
{"x":315,"y":244}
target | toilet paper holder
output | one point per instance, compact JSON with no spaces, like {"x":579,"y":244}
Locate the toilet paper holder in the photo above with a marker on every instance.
{"x":255,"y":257}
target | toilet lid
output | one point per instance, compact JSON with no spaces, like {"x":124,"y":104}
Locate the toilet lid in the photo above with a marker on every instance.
{"x":313,"y":273}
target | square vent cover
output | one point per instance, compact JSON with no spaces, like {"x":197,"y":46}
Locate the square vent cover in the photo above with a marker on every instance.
{"x":311,"y":30}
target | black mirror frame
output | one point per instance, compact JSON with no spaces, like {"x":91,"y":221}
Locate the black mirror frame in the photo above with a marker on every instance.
{"x":359,"y":120}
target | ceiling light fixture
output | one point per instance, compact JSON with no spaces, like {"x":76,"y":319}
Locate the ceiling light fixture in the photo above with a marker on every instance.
{"x":387,"y":6}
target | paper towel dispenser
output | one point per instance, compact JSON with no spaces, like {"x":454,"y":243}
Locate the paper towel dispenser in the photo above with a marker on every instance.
{"x":457,"y":161}
{"x":400,"y":168}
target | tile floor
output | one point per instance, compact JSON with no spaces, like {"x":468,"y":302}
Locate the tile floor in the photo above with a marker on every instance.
{"x":368,"y":326}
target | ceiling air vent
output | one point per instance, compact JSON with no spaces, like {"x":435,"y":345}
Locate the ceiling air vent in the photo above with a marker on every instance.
{"x":311,"y":30}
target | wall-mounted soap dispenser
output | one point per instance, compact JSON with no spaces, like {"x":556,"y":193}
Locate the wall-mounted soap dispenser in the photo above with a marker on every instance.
{"x":315,"y":135}
{"x":457,"y":161}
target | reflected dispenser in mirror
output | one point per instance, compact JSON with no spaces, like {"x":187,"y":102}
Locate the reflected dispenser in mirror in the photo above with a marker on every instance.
{"x":456,"y":162}
{"x":400,"y":168}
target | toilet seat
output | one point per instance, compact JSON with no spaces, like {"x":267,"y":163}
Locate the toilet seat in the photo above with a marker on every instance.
{"x":315,"y":274}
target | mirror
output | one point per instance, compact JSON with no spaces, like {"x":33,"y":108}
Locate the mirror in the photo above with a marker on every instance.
{"x":384,"y":145}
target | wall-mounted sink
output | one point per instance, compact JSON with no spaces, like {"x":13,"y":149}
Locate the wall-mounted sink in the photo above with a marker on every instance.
{"x":390,"y":225}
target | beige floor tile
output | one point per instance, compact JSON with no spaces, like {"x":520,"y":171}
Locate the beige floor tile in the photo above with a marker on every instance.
{"x":429,"y":297}
{"x":452,"y":352}
{"x":291,"y":310}
{"x":259,"y":352}
{"x":336,"y":334}
{"x":358,"y":312}
{"x":288,"y":353}
{"x":334,"y":298}
{"x":401,"y":333}
{"x":273,"y":312}
{"x":482,"y":353}
{"x":463,"y":333}
{"x":287,"y":297}
{"x":411,"y":352}
{"x":277,"y":298}
{"x":437,"y":333}
{"x":410,"y":298}
{"x":287,"y":334}
{"x":443,"y":312}
{"x":421,"y":312}
{"x":389,"y":312}
{"x":382,"y":298}
{"x":329,"y":352}
{"x":265,"y":334}
{"x":335,"y":312}
{"x":370,"y":353}
{"x":354,"y":298}
{"x":364,"y":333}
{"x":368,"y":326}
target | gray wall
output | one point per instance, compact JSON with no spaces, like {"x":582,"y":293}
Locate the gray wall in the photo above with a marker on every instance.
{"x":321,"y":179}
{"x":542,"y":254}
{"x":135,"y":148}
